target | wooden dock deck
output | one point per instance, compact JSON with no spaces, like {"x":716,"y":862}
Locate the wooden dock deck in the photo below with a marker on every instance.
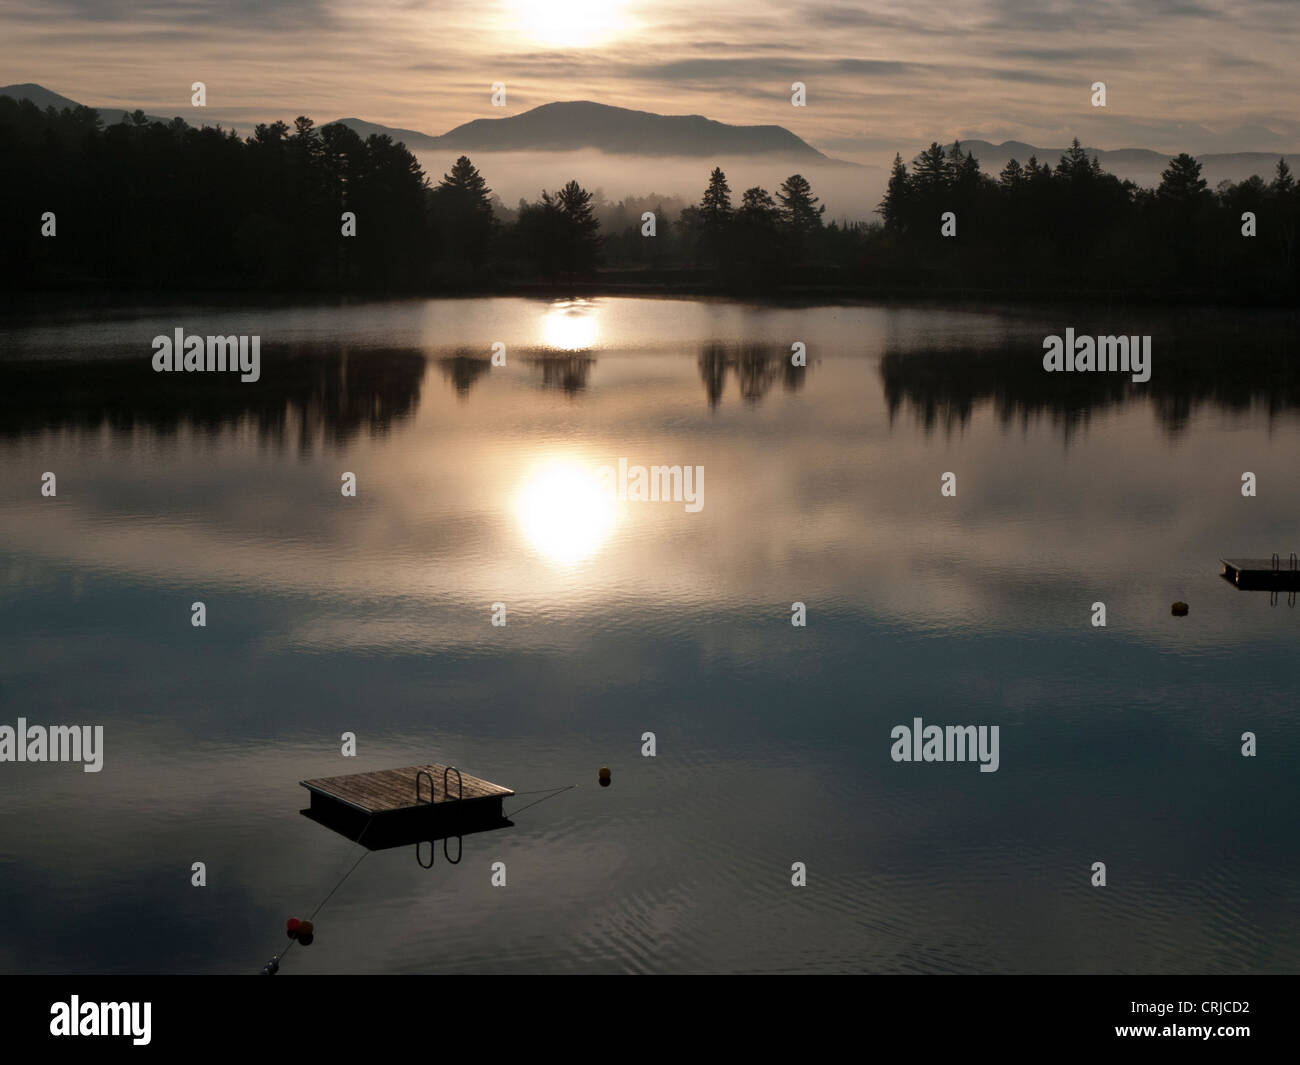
{"x":1256,"y":574}
{"x":412,"y":802}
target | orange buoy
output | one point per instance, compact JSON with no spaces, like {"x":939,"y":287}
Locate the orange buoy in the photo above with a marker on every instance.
{"x":304,"y":928}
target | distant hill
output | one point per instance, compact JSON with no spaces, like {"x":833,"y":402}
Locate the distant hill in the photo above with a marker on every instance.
{"x":1139,"y":164}
{"x":582,"y":124}
{"x":413,"y":139}
{"x":43,"y":98}
{"x":555,"y":127}
{"x":39,"y":95}
{"x":579,"y":124}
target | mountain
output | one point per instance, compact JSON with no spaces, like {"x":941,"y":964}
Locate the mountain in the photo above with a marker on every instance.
{"x":579,"y":124}
{"x":43,"y":98}
{"x":582,"y":124}
{"x":39,"y":95}
{"x":1139,"y":164}
{"x":556,"y":127}
{"x":413,"y":139}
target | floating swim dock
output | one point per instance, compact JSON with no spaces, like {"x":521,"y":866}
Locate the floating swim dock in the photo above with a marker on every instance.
{"x":390,"y":807}
{"x":1255,"y":574}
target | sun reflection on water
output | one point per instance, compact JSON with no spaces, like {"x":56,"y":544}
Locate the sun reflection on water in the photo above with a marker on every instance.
{"x":565,"y":512}
{"x":571,"y":325}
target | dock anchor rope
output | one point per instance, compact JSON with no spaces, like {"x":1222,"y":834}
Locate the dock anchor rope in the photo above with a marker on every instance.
{"x":553,"y":792}
{"x":273,"y":966}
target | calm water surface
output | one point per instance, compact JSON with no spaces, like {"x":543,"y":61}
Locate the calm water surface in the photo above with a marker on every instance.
{"x":372,"y":615}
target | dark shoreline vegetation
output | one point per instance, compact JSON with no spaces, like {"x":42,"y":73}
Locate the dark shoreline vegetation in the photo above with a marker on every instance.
{"x":157,"y":207}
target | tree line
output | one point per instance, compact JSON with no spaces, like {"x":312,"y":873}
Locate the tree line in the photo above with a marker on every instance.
{"x":1075,"y":226}
{"x":170,"y":206}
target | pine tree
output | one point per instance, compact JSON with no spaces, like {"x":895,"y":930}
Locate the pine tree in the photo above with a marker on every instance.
{"x":930,"y":169}
{"x":1282,"y":182}
{"x":894,"y":207}
{"x":715,"y":207}
{"x":756,"y":245}
{"x":463,"y":218}
{"x":713,"y":219}
{"x":581,"y":228}
{"x":952,"y":166}
{"x":962,"y":169}
{"x":1074,"y":164}
{"x":1181,"y":181}
{"x":800,"y":210}
{"x":968,"y":174}
{"x":757,"y":205}
{"x":466,"y":187}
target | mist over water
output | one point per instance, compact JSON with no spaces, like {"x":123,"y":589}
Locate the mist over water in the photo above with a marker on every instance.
{"x":372,"y":615}
{"x":848,"y":191}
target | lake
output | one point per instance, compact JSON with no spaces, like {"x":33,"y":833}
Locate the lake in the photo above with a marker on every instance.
{"x":475,"y":485}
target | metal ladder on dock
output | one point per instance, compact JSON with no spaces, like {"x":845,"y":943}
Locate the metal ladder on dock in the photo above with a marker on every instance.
{"x":1293,"y":564}
{"x":432,"y":800}
{"x":433,"y":795}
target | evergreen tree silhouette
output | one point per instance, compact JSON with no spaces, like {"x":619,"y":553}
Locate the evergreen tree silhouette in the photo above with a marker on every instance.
{"x":1181,"y":182}
{"x":800,"y":209}
{"x":1283,"y":183}
{"x":714,"y":217}
{"x":463,"y":219}
{"x":894,"y":207}
{"x":715,"y":207}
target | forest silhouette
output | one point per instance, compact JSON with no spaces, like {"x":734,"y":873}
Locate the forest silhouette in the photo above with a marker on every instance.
{"x":171,"y":207}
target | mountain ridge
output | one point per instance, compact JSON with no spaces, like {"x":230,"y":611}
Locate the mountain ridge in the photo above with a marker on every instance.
{"x":1020,"y":151}
{"x":573,"y":125}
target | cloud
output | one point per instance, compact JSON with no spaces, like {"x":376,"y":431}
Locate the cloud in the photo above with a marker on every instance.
{"x":909,"y":72}
{"x":758,"y":69}
{"x":248,"y":14}
{"x":840,"y":16}
{"x":1054,"y":54}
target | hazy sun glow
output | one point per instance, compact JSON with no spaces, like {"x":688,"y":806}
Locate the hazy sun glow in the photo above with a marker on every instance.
{"x":568,"y":23}
{"x":570,"y":325}
{"x":565,"y":512}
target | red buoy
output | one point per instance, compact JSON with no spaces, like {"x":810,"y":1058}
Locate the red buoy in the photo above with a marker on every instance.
{"x":292,"y":925}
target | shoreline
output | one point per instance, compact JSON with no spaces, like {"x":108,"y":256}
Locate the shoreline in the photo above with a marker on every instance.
{"x":24,"y":303}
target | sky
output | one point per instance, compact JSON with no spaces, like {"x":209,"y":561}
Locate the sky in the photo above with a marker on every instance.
{"x":1181,"y":75}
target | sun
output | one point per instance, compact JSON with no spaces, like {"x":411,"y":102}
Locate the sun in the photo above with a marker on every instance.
{"x":565,"y":512}
{"x":568,"y":23}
